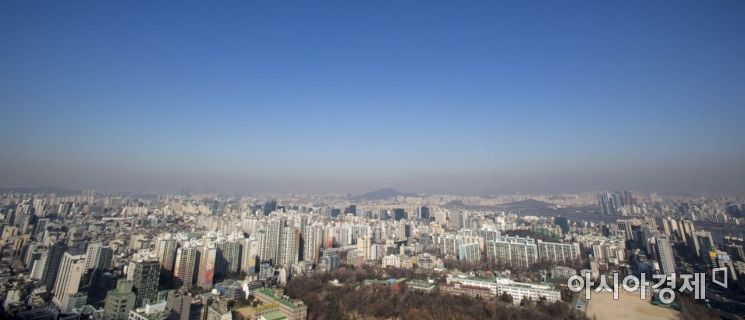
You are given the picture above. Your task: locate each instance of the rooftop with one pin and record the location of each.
(274, 315)
(284, 300)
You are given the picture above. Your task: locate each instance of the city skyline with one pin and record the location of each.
(269, 160)
(480, 98)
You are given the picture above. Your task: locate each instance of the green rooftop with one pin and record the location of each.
(281, 300)
(274, 315)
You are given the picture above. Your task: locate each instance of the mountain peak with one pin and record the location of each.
(381, 194)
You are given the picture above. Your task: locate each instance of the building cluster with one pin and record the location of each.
(202, 257)
(704, 209)
(498, 286)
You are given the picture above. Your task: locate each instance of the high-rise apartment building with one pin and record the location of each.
(185, 270)
(289, 247)
(363, 246)
(312, 242)
(249, 254)
(665, 255)
(564, 253)
(228, 256)
(165, 248)
(513, 251)
(98, 256)
(206, 277)
(145, 275)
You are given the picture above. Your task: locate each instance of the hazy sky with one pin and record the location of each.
(348, 96)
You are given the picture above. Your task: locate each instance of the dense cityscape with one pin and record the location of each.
(91, 255)
(372, 160)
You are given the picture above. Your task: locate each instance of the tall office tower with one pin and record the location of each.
(363, 245)
(98, 256)
(617, 202)
(207, 268)
(289, 246)
(165, 248)
(249, 254)
(270, 206)
(628, 198)
(313, 241)
(119, 301)
(564, 253)
(605, 203)
(69, 277)
(352, 209)
(665, 254)
(98, 290)
(145, 275)
(423, 213)
(187, 263)
(611, 203)
(383, 215)
(514, 251)
(399, 214)
(334, 212)
(54, 257)
(182, 306)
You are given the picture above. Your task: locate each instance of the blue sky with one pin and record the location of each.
(346, 96)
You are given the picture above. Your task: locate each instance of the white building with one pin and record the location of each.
(69, 277)
(391, 260)
(535, 292)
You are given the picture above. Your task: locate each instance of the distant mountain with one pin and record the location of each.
(34, 190)
(382, 194)
(455, 204)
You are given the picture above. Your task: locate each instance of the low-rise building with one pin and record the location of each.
(292, 309)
